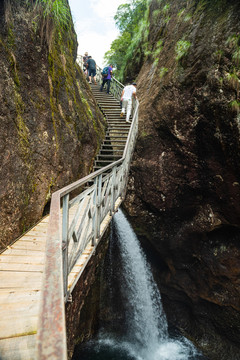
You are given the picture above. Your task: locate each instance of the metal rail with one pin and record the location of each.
(66, 240)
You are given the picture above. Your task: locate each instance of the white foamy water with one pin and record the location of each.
(147, 331)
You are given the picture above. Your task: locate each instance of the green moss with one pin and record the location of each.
(182, 48)
(38, 101)
(187, 17)
(162, 72)
(166, 8)
(143, 134)
(219, 54)
(26, 333)
(233, 41)
(233, 80)
(180, 13)
(63, 78)
(200, 7)
(22, 129)
(236, 56)
(158, 48)
(10, 36)
(9, 47)
(156, 14)
(48, 193)
(235, 105)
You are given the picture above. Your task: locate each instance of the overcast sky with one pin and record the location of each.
(95, 26)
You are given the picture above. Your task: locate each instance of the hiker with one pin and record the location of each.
(126, 98)
(106, 77)
(85, 59)
(91, 66)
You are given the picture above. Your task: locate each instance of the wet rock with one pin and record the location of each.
(183, 192)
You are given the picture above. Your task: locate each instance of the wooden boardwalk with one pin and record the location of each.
(21, 271)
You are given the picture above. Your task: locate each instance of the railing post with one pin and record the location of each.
(113, 191)
(98, 209)
(94, 220)
(65, 221)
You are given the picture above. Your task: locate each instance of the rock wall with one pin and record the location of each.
(50, 126)
(82, 314)
(184, 189)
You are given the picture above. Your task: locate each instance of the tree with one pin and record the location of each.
(129, 19)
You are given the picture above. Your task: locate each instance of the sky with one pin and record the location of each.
(95, 26)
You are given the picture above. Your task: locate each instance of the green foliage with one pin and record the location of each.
(132, 21)
(158, 48)
(187, 17)
(235, 105)
(156, 14)
(52, 18)
(128, 16)
(219, 54)
(166, 8)
(58, 10)
(236, 55)
(117, 52)
(200, 7)
(182, 48)
(233, 41)
(234, 81)
(167, 19)
(180, 13)
(162, 72)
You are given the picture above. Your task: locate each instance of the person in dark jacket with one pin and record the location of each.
(91, 66)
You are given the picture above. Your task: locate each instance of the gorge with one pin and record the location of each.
(183, 191)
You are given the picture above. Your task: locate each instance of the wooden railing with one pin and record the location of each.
(66, 241)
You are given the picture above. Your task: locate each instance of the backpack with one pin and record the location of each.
(105, 72)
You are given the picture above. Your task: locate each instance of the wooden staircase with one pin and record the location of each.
(117, 132)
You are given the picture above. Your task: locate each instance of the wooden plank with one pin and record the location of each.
(40, 230)
(19, 326)
(39, 237)
(10, 348)
(23, 259)
(19, 252)
(19, 309)
(29, 245)
(24, 280)
(13, 266)
(34, 236)
(14, 296)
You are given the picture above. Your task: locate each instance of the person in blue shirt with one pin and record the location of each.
(107, 79)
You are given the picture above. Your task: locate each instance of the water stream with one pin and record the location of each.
(134, 326)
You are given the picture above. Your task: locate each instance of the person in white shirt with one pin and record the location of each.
(128, 92)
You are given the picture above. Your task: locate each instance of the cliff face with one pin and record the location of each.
(50, 125)
(185, 174)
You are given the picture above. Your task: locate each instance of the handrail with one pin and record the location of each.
(64, 245)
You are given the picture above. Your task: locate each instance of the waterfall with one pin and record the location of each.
(146, 321)
(138, 329)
